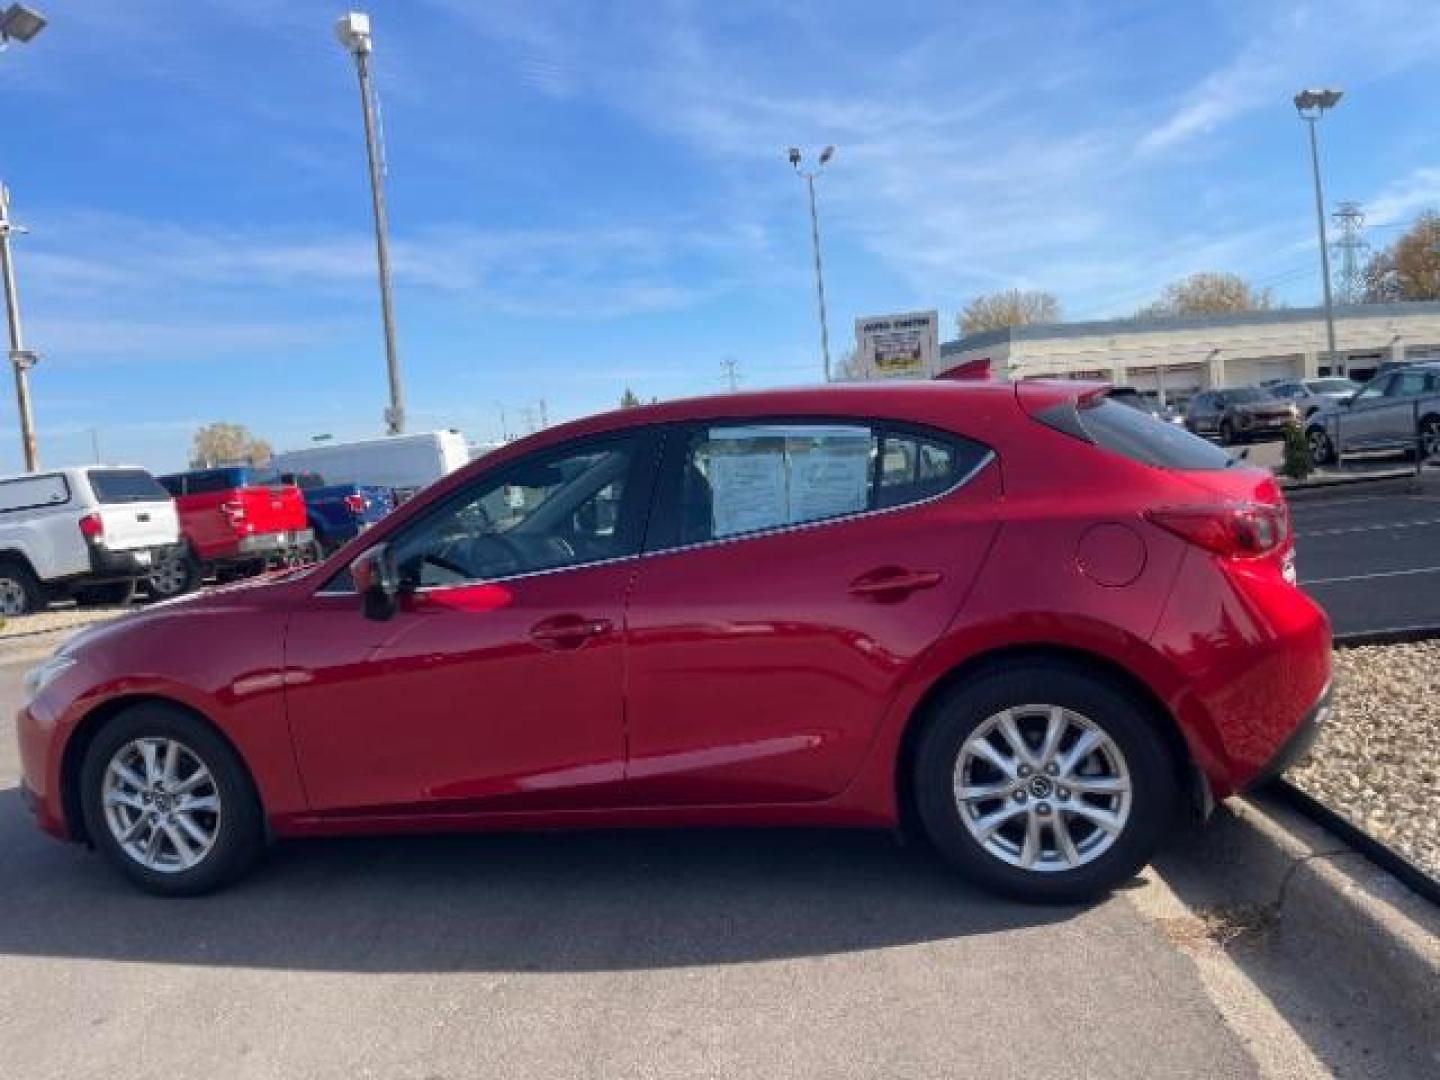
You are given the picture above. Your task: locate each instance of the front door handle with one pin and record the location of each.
(893, 582)
(568, 631)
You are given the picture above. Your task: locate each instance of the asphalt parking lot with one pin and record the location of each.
(774, 954)
(1372, 561)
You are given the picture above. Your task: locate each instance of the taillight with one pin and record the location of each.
(355, 503)
(92, 527)
(1235, 530)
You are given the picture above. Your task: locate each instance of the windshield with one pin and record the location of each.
(126, 486)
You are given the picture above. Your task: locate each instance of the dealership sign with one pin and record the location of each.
(898, 346)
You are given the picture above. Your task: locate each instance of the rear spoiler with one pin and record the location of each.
(1037, 395)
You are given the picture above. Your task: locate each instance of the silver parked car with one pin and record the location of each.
(1309, 396)
(1391, 413)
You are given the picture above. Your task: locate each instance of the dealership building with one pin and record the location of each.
(1175, 357)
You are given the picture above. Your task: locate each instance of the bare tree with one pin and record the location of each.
(227, 444)
(1010, 307)
(851, 367)
(629, 399)
(1208, 293)
(1409, 269)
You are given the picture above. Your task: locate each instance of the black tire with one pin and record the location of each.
(175, 576)
(239, 828)
(1227, 433)
(1430, 438)
(109, 594)
(1322, 450)
(1153, 778)
(20, 592)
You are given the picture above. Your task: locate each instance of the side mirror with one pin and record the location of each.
(377, 580)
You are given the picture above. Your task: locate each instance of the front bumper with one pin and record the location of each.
(1293, 750)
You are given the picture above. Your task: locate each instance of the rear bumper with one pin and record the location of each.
(108, 565)
(1294, 749)
(274, 543)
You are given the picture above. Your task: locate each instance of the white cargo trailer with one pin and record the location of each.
(404, 462)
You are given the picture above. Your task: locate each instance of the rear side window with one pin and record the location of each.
(31, 492)
(1136, 435)
(739, 479)
(126, 486)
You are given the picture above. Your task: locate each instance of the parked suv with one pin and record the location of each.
(233, 523)
(1309, 396)
(1026, 619)
(85, 533)
(1394, 413)
(1245, 412)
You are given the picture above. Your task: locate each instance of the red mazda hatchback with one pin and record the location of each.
(1030, 621)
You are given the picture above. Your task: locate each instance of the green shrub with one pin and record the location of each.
(1298, 464)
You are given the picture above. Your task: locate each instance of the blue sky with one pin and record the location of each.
(587, 195)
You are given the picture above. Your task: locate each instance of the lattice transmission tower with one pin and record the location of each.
(1350, 251)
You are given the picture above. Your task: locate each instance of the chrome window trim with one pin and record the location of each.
(778, 530)
(817, 523)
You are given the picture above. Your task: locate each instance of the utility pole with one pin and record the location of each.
(1311, 105)
(21, 359)
(353, 32)
(732, 377)
(1350, 220)
(809, 177)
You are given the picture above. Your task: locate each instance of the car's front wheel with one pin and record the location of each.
(1044, 782)
(168, 802)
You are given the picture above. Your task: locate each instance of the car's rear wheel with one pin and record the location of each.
(174, 574)
(20, 593)
(1044, 782)
(1227, 433)
(1322, 452)
(169, 803)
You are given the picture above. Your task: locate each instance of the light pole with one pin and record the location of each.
(1311, 105)
(17, 23)
(353, 32)
(809, 175)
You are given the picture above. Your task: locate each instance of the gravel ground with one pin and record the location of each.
(1378, 760)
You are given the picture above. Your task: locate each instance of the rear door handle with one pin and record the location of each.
(568, 631)
(894, 582)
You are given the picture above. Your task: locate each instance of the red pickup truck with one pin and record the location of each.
(232, 524)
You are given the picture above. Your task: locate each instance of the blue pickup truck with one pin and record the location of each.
(338, 512)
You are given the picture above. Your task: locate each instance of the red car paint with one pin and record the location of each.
(764, 680)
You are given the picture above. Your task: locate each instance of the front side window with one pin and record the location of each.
(738, 479)
(1406, 384)
(1372, 390)
(558, 509)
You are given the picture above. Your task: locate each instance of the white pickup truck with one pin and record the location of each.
(87, 533)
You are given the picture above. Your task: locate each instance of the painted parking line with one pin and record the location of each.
(1371, 577)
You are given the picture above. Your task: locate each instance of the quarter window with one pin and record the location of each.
(557, 510)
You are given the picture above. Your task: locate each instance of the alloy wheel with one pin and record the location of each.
(1320, 451)
(1043, 788)
(161, 804)
(168, 576)
(12, 597)
(1430, 439)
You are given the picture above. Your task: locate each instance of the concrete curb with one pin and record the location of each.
(1336, 912)
(1388, 483)
(1399, 635)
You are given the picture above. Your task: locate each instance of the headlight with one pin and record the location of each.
(42, 675)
